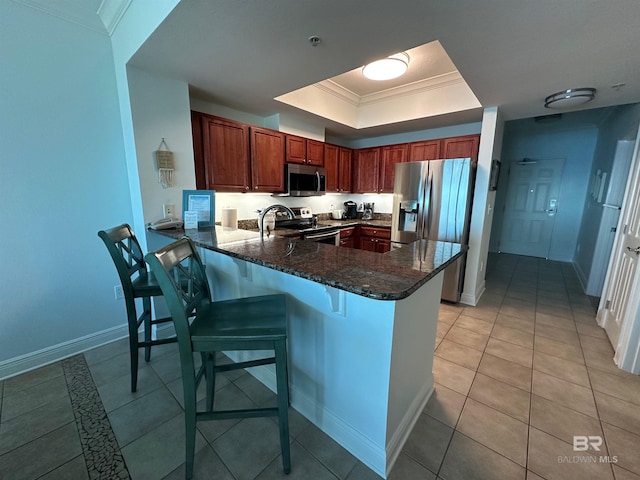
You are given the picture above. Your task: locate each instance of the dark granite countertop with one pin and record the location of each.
(384, 276)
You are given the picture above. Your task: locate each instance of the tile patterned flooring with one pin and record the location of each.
(517, 377)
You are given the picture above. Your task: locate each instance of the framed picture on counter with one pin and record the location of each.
(203, 203)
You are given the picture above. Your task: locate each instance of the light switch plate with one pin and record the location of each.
(169, 210)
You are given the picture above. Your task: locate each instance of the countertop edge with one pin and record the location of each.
(301, 273)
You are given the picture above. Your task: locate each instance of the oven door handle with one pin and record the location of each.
(320, 236)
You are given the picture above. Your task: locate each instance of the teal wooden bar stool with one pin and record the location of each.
(251, 323)
(137, 283)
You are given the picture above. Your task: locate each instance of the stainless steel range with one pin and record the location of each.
(330, 236)
(318, 233)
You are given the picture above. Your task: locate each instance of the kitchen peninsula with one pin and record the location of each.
(362, 328)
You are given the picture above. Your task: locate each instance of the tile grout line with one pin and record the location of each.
(595, 403)
(455, 428)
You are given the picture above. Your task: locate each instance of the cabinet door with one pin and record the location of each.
(348, 242)
(267, 160)
(315, 152)
(368, 244)
(226, 154)
(331, 163)
(427, 150)
(345, 169)
(366, 170)
(296, 149)
(389, 156)
(383, 246)
(198, 155)
(461, 147)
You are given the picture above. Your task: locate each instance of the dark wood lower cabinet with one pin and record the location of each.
(372, 239)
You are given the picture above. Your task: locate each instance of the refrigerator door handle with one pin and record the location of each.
(426, 211)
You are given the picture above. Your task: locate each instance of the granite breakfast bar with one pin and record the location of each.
(361, 326)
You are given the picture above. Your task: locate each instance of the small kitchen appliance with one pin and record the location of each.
(350, 209)
(368, 211)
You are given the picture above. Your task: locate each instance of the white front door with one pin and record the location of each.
(531, 206)
(620, 302)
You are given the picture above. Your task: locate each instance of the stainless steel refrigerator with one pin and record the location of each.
(432, 200)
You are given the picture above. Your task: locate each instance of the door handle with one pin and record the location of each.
(552, 206)
(635, 250)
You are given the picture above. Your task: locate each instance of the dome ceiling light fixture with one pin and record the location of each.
(570, 98)
(387, 68)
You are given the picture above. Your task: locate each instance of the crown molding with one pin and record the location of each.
(68, 14)
(337, 90)
(111, 13)
(432, 83)
(346, 95)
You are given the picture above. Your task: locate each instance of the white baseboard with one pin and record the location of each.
(400, 436)
(372, 455)
(473, 298)
(40, 358)
(581, 276)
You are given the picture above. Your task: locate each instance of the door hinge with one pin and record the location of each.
(607, 304)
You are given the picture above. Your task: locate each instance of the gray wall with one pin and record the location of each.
(63, 179)
(621, 124)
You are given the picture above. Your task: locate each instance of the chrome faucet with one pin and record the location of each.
(267, 210)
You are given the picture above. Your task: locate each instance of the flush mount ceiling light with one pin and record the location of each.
(570, 98)
(387, 68)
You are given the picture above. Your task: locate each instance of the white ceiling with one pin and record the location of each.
(511, 53)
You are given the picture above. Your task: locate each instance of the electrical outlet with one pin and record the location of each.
(169, 210)
(119, 293)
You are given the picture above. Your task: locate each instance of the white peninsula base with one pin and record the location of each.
(360, 368)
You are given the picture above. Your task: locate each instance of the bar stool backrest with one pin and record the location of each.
(182, 278)
(128, 258)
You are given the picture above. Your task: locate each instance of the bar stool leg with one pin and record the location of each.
(146, 309)
(283, 402)
(190, 427)
(210, 377)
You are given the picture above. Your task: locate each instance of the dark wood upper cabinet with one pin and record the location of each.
(198, 156)
(304, 150)
(225, 154)
(296, 149)
(332, 165)
(232, 156)
(366, 170)
(315, 152)
(267, 160)
(427, 150)
(389, 156)
(345, 168)
(337, 161)
(461, 147)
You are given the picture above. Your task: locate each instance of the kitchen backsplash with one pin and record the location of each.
(248, 203)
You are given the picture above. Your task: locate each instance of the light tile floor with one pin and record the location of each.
(517, 377)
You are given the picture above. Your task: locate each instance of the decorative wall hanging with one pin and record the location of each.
(165, 164)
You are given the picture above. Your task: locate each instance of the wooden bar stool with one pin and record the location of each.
(137, 282)
(251, 323)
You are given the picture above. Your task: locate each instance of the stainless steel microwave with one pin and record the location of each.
(305, 180)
